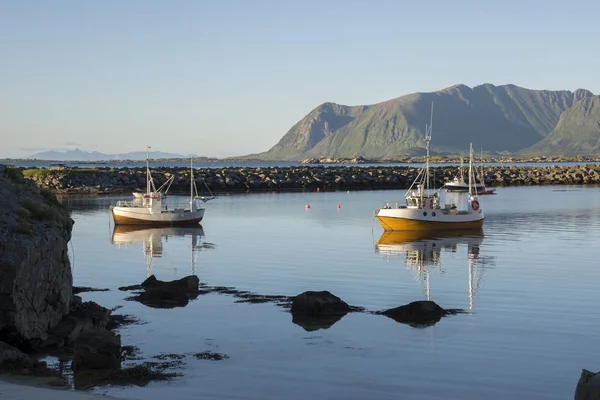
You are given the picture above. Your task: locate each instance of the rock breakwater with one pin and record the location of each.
(246, 179)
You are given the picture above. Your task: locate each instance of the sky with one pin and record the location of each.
(225, 77)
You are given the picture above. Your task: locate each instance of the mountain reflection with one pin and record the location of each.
(152, 240)
(423, 254)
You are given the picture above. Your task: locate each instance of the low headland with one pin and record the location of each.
(105, 180)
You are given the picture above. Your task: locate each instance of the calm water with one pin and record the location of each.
(531, 283)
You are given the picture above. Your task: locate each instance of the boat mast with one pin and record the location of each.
(147, 170)
(427, 140)
(470, 169)
(191, 183)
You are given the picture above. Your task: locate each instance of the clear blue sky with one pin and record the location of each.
(225, 77)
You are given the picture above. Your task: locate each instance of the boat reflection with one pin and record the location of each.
(423, 252)
(151, 240)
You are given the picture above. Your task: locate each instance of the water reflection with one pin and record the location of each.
(151, 240)
(423, 254)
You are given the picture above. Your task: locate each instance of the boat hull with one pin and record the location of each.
(125, 216)
(403, 224)
(406, 219)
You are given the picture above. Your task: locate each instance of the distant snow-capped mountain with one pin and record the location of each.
(80, 155)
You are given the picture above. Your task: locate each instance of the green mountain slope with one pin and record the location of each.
(497, 118)
(577, 131)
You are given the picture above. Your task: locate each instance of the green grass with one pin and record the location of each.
(39, 210)
(36, 173)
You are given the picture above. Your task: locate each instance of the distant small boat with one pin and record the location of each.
(148, 209)
(458, 184)
(426, 210)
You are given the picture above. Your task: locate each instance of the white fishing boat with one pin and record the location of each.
(458, 184)
(429, 209)
(151, 208)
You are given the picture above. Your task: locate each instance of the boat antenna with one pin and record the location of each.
(191, 183)
(148, 169)
(427, 140)
(470, 169)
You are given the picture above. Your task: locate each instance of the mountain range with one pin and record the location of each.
(505, 119)
(80, 155)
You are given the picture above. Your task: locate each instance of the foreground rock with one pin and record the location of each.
(319, 303)
(12, 359)
(35, 271)
(588, 387)
(82, 316)
(97, 348)
(165, 294)
(317, 310)
(418, 313)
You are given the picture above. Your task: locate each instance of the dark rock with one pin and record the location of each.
(418, 313)
(13, 359)
(97, 348)
(588, 386)
(86, 315)
(160, 294)
(319, 303)
(83, 289)
(116, 321)
(129, 353)
(188, 284)
(130, 288)
(207, 355)
(315, 322)
(139, 375)
(35, 271)
(159, 298)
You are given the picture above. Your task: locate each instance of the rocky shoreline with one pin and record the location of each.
(261, 179)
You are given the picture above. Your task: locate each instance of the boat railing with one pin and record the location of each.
(125, 203)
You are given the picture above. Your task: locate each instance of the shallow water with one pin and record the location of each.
(530, 284)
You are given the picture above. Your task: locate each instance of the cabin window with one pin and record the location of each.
(424, 213)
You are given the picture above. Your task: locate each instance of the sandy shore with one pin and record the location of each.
(30, 389)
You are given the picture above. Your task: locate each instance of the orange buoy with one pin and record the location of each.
(318, 189)
(307, 206)
(339, 206)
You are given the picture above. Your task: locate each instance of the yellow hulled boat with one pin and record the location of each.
(425, 209)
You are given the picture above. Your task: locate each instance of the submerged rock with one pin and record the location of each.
(418, 313)
(84, 289)
(208, 355)
(165, 294)
(312, 323)
(160, 298)
(588, 387)
(319, 303)
(97, 348)
(139, 375)
(188, 284)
